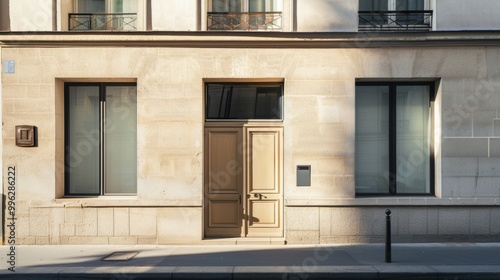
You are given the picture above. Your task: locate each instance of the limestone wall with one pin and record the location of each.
(26, 15)
(467, 15)
(318, 131)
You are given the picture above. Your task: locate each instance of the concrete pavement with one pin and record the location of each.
(410, 261)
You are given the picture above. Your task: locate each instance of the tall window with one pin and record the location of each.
(243, 101)
(245, 15)
(394, 14)
(107, 6)
(104, 15)
(392, 5)
(393, 138)
(101, 139)
(240, 6)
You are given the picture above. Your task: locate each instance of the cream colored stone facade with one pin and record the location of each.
(318, 121)
(319, 72)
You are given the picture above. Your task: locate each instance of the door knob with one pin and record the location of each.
(259, 195)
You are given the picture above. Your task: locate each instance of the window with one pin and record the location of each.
(104, 15)
(392, 5)
(241, 6)
(100, 139)
(245, 15)
(394, 14)
(393, 153)
(107, 6)
(243, 101)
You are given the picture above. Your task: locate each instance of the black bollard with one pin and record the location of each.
(388, 256)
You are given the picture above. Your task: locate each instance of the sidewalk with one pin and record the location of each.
(410, 261)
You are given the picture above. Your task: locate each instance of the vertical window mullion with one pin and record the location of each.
(102, 127)
(228, 102)
(392, 140)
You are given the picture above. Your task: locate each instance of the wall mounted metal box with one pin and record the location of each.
(303, 175)
(25, 136)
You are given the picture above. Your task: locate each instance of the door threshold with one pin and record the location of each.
(244, 241)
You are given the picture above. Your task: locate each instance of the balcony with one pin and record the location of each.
(395, 20)
(255, 21)
(112, 22)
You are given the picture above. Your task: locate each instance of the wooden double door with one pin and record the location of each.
(243, 181)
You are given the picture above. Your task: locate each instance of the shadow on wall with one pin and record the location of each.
(4, 16)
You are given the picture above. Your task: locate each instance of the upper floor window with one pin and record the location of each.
(256, 15)
(104, 15)
(394, 15)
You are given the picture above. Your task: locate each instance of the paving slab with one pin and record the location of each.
(438, 261)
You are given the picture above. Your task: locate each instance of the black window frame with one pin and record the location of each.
(392, 190)
(102, 97)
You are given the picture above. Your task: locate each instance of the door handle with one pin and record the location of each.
(259, 195)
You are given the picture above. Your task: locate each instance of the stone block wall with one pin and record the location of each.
(108, 225)
(318, 131)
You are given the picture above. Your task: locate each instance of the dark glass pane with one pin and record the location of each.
(226, 6)
(410, 5)
(121, 140)
(231, 101)
(82, 145)
(412, 139)
(372, 139)
(373, 5)
(92, 6)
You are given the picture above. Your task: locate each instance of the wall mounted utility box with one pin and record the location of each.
(303, 175)
(25, 136)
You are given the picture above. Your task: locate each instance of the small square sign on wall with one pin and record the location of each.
(9, 66)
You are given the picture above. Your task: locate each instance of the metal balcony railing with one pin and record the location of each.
(395, 20)
(259, 21)
(121, 22)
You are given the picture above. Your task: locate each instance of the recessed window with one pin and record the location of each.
(100, 139)
(243, 101)
(104, 15)
(393, 153)
(245, 15)
(394, 15)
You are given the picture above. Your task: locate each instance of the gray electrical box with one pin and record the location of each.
(303, 175)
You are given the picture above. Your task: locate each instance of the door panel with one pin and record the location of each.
(224, 161)
(224, 213)
(265, 213)
(264, 186)
(224, 182)
(264, 164)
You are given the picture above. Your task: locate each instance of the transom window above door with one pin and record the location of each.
(237, 101)
(254, 15)
(104, 15)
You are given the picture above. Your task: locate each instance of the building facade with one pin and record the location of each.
(250, 121)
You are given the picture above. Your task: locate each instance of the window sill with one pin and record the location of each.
(119, 201)
(392, 201)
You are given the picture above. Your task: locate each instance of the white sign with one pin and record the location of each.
(9, 67)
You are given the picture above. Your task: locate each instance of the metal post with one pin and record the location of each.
(388, 256)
